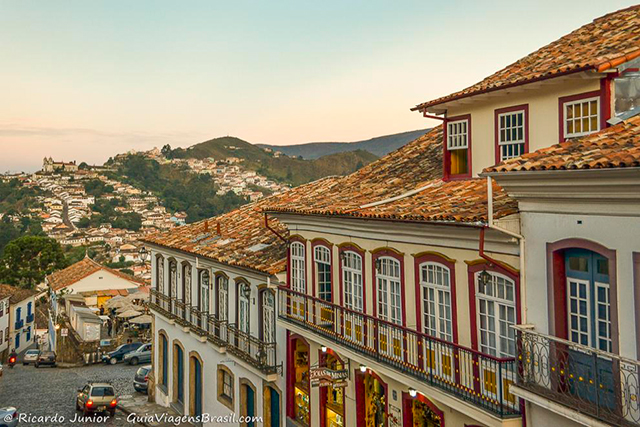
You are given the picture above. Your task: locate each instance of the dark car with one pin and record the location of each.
(118, 354)
(141, 380)
(46, 358)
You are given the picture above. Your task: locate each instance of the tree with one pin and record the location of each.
(27, 260)
(83, 166)
(166, 151)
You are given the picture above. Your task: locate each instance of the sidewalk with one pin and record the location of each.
(151, 412)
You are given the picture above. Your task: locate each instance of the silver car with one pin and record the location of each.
(141, 355)
(31, 356)
(8, 416)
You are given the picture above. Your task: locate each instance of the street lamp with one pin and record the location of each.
(484, 278)
(413, 392)
(144, 254)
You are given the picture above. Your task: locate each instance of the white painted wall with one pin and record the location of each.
(102, 280)
(4, 324)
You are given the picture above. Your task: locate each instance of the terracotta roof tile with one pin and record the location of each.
(614, 147)
(603, 43)
(81, 269)
(15, 293)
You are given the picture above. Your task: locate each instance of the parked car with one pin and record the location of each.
(118, 354)
(141, 379)
(46, 358)
(8, 416)
(96, 397)
(141, 354)
(31, 356)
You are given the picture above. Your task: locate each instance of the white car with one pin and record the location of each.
(8, 416)
(30, 356)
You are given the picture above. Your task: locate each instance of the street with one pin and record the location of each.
(51, 391)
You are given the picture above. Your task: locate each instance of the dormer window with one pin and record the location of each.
(580, 115)
(512, 132)
(457, 160)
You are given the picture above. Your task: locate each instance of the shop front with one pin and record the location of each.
(371, 399)
(420, 411)
(299, 402)
(331, 377)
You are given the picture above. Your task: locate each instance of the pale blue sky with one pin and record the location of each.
(88, 79)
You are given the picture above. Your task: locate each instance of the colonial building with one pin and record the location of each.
(49, 166)
(407, 280)
(21, 315)
(580, 209)
(4, 326)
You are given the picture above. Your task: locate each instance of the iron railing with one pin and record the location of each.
(479, 378)
(252, 350)
(245, 346)
(597, 383)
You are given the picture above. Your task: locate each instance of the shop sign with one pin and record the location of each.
(321, 376)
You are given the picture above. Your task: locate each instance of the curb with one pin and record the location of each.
(127, 411)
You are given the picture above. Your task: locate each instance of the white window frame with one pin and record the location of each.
(442, 317)
(389, 289)
(268, 316)
(520, 142)
(565, 118)
(352, 280)
(458, 135)
(204, 291)
(322, 255)
(244, 308)
(298, 267)
(160, 272)
(607, 320)
(223, 298)
(497, 303)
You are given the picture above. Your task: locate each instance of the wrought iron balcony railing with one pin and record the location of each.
(19, 324)
(468, 374)
(252, 350)
(602, 385)
(29, 318)
(249, 348)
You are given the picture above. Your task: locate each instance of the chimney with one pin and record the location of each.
(206, 225)
(218, 229)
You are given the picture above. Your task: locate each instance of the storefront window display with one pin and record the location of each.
(371, 395)
(301, 410)
(333, 397)
(421, 412)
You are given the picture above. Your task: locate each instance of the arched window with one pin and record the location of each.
(435, 284)
(186, 283)
(352, 280)
(244, 299)
(268, 317)
(204, 290)
(160, 273)
(322, 259)
(298, 282)
(222, 310)
(164, 360)
(173, 278)
(496, 300)
(389, 292)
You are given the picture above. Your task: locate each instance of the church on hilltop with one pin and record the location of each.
(49, 165)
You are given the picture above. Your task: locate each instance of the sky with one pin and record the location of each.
(85, 80)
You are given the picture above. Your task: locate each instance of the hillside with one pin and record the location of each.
(379, 146)
(290, 170)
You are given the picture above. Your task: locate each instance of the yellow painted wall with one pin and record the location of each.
(543, 116)
(462, 286)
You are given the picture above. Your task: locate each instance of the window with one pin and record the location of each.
(225, 386)
(1, 336)
(297, 267)
(352, 279)
(322, 258)
(173, 278)
(496, 315)
(164, 362)
(389, 296)
(6, 334)
(204, 290)
(511, 132)
(458, 144)
(223, 298)
(243, 307)
(186, 277)
(581, 117)
(435, 282)
(160, 274)
(268, 317)
(1, 311)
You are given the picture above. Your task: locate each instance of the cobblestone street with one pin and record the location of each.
(49, 391)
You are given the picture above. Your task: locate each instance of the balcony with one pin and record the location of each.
(19, 324)
(246, 347)
(599, 384)
(30, 318)
(469, 375)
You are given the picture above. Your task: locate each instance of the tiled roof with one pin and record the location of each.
(81, 269)
(405, 185)
(614, 147)
(604, 43)
(15, 293)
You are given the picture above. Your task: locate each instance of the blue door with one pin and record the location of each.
(275, 408)
(251, 402)
(17, 340)
(591, 377)
(28, 333)
(198, 387)
(165, 362)
(179, 353)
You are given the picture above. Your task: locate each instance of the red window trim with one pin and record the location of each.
(446, 158)
(604, 95)
(360, 392)
(391, 253)
(300, 239)
(291, 338)
(314, 277)
(345, 247)
(472, 269)
(322, 359)
(450, 264)
(556, 286)
(239, 281)
(407, 401)
(497, 112)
